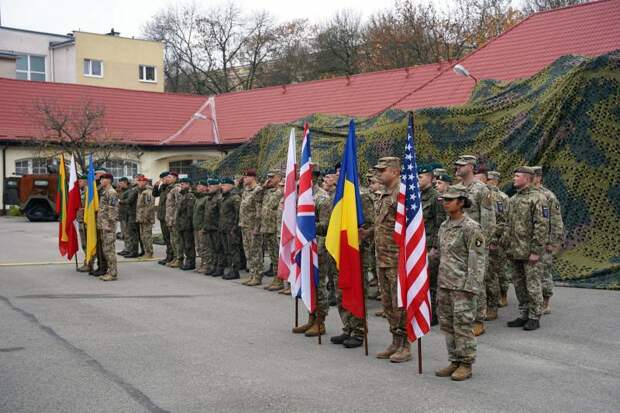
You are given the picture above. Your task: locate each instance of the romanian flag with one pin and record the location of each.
(61, 207)
(342, 240)
(90, 212)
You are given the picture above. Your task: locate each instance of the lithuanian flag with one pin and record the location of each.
(342, 239)
(61, 207)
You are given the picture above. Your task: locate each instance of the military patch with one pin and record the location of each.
(488, 200)
(500, 206)
(478, 243)
(545, 212)
(557, 206)
(113, 201)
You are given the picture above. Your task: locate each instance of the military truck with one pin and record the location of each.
(34, 194)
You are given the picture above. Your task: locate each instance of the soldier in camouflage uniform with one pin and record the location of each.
(556, 238)
(121, 190)
(101, 261)
(483, 212)
(330, 181)
(322, 210)
(249, 222)
(388, 172)
(172, 199)
(160, 190)
(211, 227)
(525, 239)
(145, 215)
(127, 201)
(461, 271)
(107, 218)
(229, 203)
(434, 215)
(198, 217)
(497, 257)
(367, 245)
(183, 222)
(269, 230)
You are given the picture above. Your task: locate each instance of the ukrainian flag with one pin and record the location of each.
(342, 240)
(90, 212)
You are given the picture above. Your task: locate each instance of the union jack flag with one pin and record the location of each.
(306, 249)
(413, 281)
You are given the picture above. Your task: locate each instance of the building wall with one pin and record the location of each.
(25, 42)
(63, 62)
(121, 59)
(7, 68)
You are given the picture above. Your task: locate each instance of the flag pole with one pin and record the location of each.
(76, 263)
(365, 312)
(316, 306)
(296, 312)
(419, 355)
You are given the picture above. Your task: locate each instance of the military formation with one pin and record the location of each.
(478, 241)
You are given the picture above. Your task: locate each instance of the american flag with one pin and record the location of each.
(413, 282)
(306, 249)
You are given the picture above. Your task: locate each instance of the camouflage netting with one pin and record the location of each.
(566, 118)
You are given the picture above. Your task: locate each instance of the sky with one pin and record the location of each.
(129, 16)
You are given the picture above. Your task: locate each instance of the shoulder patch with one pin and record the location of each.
(478, 243)
(500, 206)
(113, 201)
(545, 211)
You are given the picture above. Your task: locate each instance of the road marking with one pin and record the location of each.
(32, 264)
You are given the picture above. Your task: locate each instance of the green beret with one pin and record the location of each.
(202, 182)
(424, 169)
(83, 176)
(435, 165)
(185, 179)
(445, 178)
(164, 174)
(227, 180)
(213, 181)
(123, 179)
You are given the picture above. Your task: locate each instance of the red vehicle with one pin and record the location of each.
(35, 195)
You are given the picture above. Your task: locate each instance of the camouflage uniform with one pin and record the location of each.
(107, 219)
(483, 212)
(249, 222)
(386, 252)
(213, 242)
(172, 199)
(327, 265)
(127, 203)
(495, 278)
(183, 223)
(527, 233)
(367, 246)
(229, 203)
(556, 238)
(102, 265)
(161, 191)
(145, 217)
(268, 225)
(434, 215)
(461, 276)
(198, 217)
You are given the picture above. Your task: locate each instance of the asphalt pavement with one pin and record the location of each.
(164, 340)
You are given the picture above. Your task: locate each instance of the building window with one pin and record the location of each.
(183, 167)
(147, 73)
(93, 68)
(29, 67)
(121, 167)
(37, 166)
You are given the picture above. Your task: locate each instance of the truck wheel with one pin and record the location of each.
(40, 213)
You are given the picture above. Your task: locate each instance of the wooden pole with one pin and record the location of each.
(296, 312)
(419, 355)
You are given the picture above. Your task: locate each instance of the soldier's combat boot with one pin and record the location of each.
(353, 342)
(305, 327)
(447, 371)
(340, 339)
(108, 277)
(276, 285)
(189, 265)
(84, 268)
(285, 291)
(246, 281)
(503, 300)
(531, 325)
(403, 354)
(132, 255)
(392, 348)
(174, 264)
(546, 305)
(232, 275)
(268, 272)
(491, 314)
(517, 322)
(463, 372)
(258, 280)
(317, 328)
(147, 257)
(99, 272)
(163, 261)
(218, 272)
(478, 328)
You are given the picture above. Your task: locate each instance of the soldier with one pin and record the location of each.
(330, 181)
(482, 212)
(388, 172)
(367, 194)
(229, 204)
(377, 189)
(101, 261)
(213, 241)
(442, 182)
(172, 199)
(268, 227)
(127, 207)
(322, 210)
(198, 218)
(161, 187)
(556, 238)
(82, 182)
(434, 215)
(461, 271)
(497, 257)
(145, 215)
(183, 223)
(249, 222)
(525, 239)
(107, 219)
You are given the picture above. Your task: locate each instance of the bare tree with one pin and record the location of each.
(533, 6)
(338, 44)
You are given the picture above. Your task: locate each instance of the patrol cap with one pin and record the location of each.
(274, 172)
(425, 169)
(107, 175)
(388, 162)
(455, 192)
(164, 174)
(439, 171)
(185, 179)
(466, 159)
(227, 180)
(250, 172)
(538, 170)
(213, 181)
(525, 170)
(445, 178)
(494, 175)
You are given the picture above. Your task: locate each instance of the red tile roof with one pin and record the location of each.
(162, 118)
